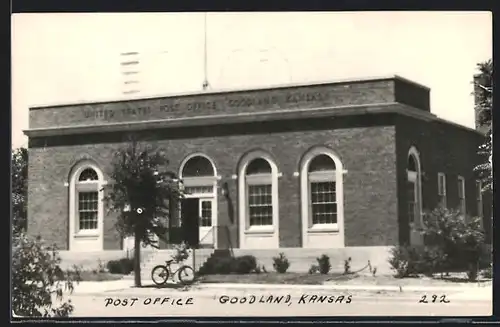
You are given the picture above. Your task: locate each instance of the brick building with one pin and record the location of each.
(345, 165)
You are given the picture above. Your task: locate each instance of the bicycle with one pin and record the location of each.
(165, 271)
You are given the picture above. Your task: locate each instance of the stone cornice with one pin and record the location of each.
(275, 115)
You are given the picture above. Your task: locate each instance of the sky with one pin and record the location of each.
(75, 57)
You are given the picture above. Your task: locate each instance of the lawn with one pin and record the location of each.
(96, 276)
(272, 278)
(334, 279)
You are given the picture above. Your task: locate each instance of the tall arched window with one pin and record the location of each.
(321, 180)
(259, 193)
(199, 177)
(414, 188)
(258, 201)
(86, 207)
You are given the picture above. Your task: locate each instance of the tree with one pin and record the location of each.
(460, 238)
(484, 105)
(140, 193)
(38, 280)
(19, 175)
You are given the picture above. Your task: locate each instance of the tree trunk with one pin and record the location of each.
(137, 259)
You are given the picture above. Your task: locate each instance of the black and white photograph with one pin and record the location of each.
(252, 164)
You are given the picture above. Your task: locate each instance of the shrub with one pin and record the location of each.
(347, 266)
(487, 273)
(181, 252)
(226, 265)
(460, 238)
(36, 276)
(123, 266)
(313, 269)
(403, 260)
(244, 264)
(324, 264)
(281, 263)
(223, 266)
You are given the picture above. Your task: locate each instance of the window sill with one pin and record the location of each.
(260, 230)
(323, 228)
(89, 234)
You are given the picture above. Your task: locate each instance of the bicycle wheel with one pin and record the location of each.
(159, 275)
(186, 275)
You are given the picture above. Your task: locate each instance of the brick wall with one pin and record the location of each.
(443, 148)
(366, 146)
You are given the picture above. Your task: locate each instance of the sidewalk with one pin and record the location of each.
(389, 288)
(473, 291)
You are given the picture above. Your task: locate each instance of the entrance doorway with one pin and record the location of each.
(199, 178)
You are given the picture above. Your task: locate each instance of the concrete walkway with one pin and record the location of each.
(410, 288)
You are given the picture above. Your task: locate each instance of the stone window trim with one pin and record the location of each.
(415, 154)
(461, 194)
(244, 180)
(442, 189)
(306, 178)
(75, 187)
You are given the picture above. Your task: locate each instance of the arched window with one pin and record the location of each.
(414, 187)
(259, 183)
(258, 201)
(323, 190)
(86, 207)
(88, 200)
(321, 183)
(199, 178)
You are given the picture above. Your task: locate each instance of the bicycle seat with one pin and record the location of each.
(169, 261)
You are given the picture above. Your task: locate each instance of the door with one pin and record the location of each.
(205, 212)
(190, 221)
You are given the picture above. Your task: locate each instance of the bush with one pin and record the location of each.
(123, 266)
(281, 263)
(347, 266)
(244, 264)
(36, 276)
(181, 252)
(313, 269)
(226, 265)
(324, 264)
(460, 238)
(404, 260)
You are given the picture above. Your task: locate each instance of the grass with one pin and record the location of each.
(272, 278)
(333, 278)
(98, 276)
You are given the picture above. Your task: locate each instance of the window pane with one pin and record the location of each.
(412, 165)
(322, 163)
(198, 166)
(441, 184)
(198, 189)
(206, 214)
(259, 166)
(88, 174)
(411, 201)
(323, 203)
(260, 205)
(87, 210)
